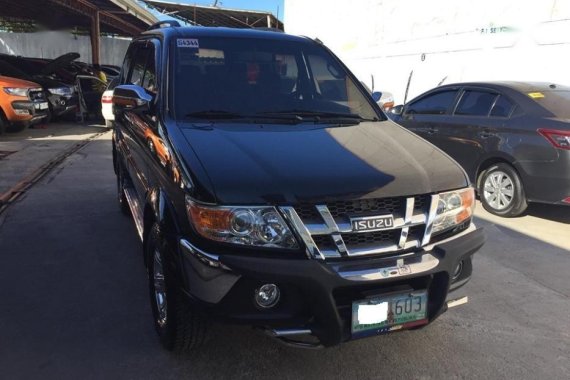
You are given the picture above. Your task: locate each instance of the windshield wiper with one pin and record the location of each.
(319, 115)
(219, 114)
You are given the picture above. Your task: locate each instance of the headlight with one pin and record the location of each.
(60, 91)
(454, 208)
(16, 91)
(253, 226)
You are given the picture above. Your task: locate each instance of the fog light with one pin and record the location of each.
(457, 271)
(267, 296)
(21, 112)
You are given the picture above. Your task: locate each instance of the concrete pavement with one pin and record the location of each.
(75, 303)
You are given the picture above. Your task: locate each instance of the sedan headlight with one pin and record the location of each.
(454, 208)
(61, 91)
(16, 91)
(252, 226)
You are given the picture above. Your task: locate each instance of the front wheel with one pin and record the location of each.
(179, 327)
(501, 191)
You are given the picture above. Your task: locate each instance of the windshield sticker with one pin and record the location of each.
(536, 95)
(187, 43)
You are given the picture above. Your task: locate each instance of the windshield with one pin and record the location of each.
(234, 77)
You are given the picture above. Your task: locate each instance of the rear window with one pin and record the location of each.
(556, 102)
(475, 103)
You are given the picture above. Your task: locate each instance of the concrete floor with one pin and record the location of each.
(75, 301)
(26, 151)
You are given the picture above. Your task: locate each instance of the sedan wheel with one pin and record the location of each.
(498, 190)
(501, 191)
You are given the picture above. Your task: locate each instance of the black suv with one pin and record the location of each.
(269, 189)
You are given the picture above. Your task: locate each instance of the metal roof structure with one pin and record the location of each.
(121, 17)
(216, 16)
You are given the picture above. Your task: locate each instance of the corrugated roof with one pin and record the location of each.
(123, 17)
(216, 16)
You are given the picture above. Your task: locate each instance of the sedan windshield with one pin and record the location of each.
(233, 78)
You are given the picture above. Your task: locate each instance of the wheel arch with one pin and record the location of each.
(493, 160)
(158, 209)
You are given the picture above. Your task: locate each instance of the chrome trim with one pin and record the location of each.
(431, 217)
(331, 225)
(410, 266)
(290, 332)
(316, 228)
(135, 208)
(457, 302)
(377, 249)
(293, 218)
(469, 229)
(206, 258)
(407, 219)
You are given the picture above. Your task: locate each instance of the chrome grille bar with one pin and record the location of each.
(331, 225)
(323, 224)
(407, 221)
(431, 217)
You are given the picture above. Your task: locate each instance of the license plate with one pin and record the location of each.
(41, 106)
(372, 223)
(384, 314)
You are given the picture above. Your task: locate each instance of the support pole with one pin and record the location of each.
(268, 21)
(95, 34)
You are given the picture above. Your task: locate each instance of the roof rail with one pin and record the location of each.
(163, 24)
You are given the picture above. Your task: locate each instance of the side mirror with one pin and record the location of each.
(376, 95)
(397, 110)
(129, 97)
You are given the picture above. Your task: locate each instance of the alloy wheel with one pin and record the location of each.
(499, 190)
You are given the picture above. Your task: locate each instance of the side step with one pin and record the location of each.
(136, 209)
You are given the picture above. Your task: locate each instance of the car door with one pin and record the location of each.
(425, 115)
(132, 125)
(473, 131)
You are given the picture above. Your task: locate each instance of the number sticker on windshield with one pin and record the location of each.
(187, 43)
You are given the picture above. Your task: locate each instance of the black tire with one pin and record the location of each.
(516, 202)
(180, 328)
(2, 125)
(121, 197)
(15, 128)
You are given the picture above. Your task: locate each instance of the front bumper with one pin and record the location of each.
(317, 296)
(28, 112)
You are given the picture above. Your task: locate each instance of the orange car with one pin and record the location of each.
(22, 104)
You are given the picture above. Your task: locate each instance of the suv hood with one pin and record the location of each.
(287, 164)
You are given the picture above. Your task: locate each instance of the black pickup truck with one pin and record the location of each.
(268, 188)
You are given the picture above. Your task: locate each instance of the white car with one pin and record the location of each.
(107, 104)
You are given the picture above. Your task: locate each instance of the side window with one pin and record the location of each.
(127, 63)
(149, 78)
(138, 65)
(502, 107)
(434, 104)
(475, 103)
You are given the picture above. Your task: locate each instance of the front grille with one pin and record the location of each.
(366, 206)
(327, 231)
(367, 239)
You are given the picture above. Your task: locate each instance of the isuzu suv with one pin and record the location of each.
(268, 188)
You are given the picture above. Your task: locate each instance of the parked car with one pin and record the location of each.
(512, 138)
(62, 97)
(107, 103)
(22, 104)
(268, 188)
